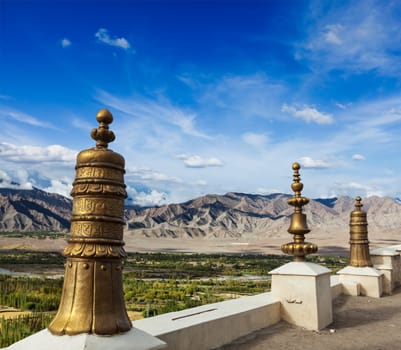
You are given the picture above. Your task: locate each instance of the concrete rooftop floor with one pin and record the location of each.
(359, 323)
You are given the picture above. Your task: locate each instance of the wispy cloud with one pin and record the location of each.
(342, 105)
(195, 161)
(154, 110)
(332, 34)
(309, 114)
(22, 117)
(255, 95)
(80, 123)
(146, 174)
(353, 36)
(255, 139)
(102, 35)
(308, 162)
(65, 42)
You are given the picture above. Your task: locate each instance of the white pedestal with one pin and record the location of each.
(304, 291)
(387, 260)
(133, 339)
(369, 279)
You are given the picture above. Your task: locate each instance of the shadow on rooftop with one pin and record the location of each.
(360, 323)
(353, 311)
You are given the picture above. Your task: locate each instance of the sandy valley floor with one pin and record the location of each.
(334, 243)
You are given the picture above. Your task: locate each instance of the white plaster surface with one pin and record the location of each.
(300, 269)
(134, 339)
(213, 325)
(389, 264)
(369, 279)
(305, 294)
(335, 286)
(351, 288)
(385, 251)
(360, 271)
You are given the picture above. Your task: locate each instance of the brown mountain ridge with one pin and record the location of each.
(232, 216)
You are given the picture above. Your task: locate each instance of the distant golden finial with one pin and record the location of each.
(359, 243)
(102, 135)
(298, 226)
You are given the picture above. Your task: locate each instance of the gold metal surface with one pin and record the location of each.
(359, 243)
(92, 300)
(298, 226)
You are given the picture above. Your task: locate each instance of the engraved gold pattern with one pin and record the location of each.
(93, 206)
(101, 229)
(100, 173)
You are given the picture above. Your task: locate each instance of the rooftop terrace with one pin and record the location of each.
(359, 323)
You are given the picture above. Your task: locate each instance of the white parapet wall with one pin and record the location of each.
(387, 260)
(213, 325)
(362, 280)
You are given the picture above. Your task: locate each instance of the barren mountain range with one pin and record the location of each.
(33, 210)
(231, 216)
(249, 216)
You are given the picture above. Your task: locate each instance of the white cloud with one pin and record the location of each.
(103, 36)
(358, 157)
(195, 161)
(354, 189)
(145, 199)
(6, 181)
(309, 114)
(27, 153)
(308, 162)
(255, 139)
(19, 181)
(65, 42)
(62, 187)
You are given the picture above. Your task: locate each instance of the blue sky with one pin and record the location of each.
(207, 96)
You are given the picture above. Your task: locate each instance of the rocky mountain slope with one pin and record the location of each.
(33, 210)
(233, 215)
